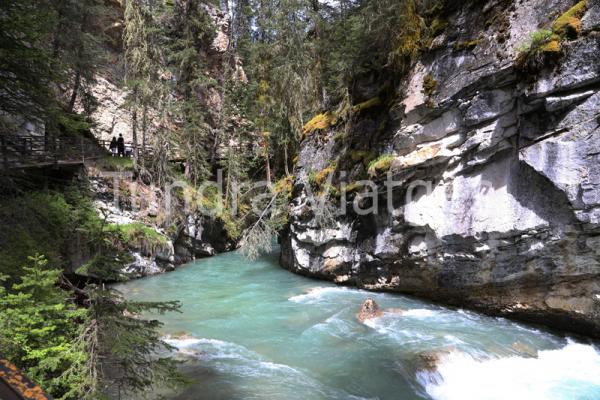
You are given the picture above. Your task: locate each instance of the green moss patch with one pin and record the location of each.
(467, 44)
(569, 24)
(141, 237)
(319, 122)
(115, 164)
(374, 102)
(381, 164)
(429, 85)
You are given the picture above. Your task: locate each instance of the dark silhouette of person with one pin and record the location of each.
(113, 146)
(121, 146)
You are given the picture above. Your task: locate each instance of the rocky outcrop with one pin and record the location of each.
(496, 177)
(201, 236)
(185, 238)
(368, 310)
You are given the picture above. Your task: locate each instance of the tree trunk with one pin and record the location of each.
(321, 92)
(144, 126)
(134, 122)
(144, 131)
(285, 159)
(75, 91)
(267, 163)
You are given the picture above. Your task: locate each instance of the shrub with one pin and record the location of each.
(285, 185)
(115, 164)
(318, 178)
(361, 156)
(39, 330)
(535, 52)
(353, 187)
(48, 223)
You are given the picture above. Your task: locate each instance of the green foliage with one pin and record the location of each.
(34, 223)
(320, 177)
(83, 353)
(46, 46)
(139, 236)
(319, 122)
(131, 358)
(26, 69)
(353, 187)
(62, 226)
(542, 46)
(73, 124)
(40, 328)
(115, 164)
(536, 41)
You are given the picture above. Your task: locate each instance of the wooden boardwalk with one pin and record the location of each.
(17, 152)
(16, 386)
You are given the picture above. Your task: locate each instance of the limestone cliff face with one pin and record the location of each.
(510, 223)
(110, 113)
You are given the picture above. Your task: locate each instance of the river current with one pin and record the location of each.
(251, 330)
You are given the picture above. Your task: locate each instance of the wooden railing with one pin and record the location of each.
(16, 386)
(142, 151)
(23, 151)
(35, 151)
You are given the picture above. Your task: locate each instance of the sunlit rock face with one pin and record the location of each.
(111, 112)
(496, 198)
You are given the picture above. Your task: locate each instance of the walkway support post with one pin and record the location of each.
(4, 151)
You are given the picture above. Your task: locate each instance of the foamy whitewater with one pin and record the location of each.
(572, 372)
(250, 330)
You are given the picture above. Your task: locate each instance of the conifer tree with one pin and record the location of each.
(39, 327)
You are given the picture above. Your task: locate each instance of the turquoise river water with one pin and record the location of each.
(251, 330)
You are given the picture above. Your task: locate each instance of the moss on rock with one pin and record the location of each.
(365, 105)
(429, 85)
(319, 122)
(381, 164)
(569, 24)
(467, 44)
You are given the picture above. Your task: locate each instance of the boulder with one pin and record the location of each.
(368, 310)
(429, 360)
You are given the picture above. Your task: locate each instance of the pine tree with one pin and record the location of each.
(130, 358)
(26, 70)
(39, 327)
(191, 32)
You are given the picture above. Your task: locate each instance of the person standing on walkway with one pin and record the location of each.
(113, 147)
(121, 146)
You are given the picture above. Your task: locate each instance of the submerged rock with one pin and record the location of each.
(368, 310)
(523, 349)
(398, 311)
(429, 360)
